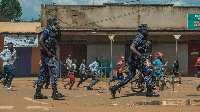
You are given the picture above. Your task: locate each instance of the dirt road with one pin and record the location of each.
(185, 98)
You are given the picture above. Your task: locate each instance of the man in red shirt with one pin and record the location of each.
(198, 63)
(198, 73)
(119, 70)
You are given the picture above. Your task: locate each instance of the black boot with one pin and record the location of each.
(114, 88)
(38, 94)
(150, 93)
(55, 94)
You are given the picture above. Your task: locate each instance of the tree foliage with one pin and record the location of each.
(12, 9)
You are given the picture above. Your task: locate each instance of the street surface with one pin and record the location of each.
(185, 98)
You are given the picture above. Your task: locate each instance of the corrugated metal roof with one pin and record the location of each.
(20, 27)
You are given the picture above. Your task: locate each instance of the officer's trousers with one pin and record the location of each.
(44, 71)
(142, 67)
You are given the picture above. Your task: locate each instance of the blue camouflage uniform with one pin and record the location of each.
(136, 63)
(46, 61)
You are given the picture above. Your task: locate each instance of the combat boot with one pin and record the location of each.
(114, 88)
(38, 94)
(150, 93)
(55, 94)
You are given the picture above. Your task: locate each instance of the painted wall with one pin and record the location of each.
(34, 58)
(119, 16)
(169, 51)
(1, 49)
(100, 46)
(104, 53)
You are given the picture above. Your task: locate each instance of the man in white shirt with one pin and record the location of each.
(8, 56)
(94, 67)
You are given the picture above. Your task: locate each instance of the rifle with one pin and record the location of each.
(57, 59)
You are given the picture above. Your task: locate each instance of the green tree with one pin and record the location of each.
(12, 9)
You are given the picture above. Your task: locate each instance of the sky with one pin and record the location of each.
(31, 8)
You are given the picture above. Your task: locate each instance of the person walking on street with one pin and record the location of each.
(82, 73)
(72, 70)
(119, 70)
(94, 67)
(8, 56)
(69, 64)
(198, 73)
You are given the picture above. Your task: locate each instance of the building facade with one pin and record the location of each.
(22, 35)
(85, 30)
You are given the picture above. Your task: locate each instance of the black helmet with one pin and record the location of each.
(143, 27)
(52, 20)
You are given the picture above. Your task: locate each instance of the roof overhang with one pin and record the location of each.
(126, 32)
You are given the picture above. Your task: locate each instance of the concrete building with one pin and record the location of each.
(26, 64)
(85, 30)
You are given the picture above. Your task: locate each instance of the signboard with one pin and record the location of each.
(21, 40)
(193, 21)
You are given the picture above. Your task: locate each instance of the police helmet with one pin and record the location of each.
(143, 27)
(52, 20)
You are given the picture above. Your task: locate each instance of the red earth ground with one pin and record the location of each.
(20, 99)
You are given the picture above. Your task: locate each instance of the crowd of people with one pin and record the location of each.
(139, 59)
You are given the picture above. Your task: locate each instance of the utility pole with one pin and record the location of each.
(111, 37)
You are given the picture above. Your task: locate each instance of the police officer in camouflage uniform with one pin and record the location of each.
(48, 59)
(136, 60)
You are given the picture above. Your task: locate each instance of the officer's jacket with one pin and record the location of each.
(50, 38)
(140, 46)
